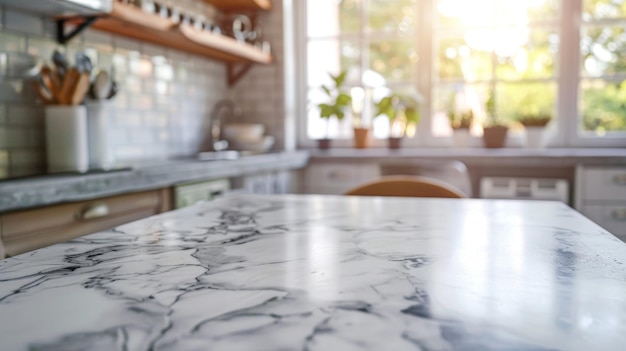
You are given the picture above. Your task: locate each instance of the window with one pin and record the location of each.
(561, 58)
(603, 69)
(497, 49)
(374, 40)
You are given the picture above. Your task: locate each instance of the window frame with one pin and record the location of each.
(567, 78)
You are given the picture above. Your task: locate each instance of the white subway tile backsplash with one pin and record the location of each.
(41, 47)
(140, 67)
(17, 138)
(132, 84)
(25, 158)
(3, 138)
(164, 72)
(101, 39)
(25, 115)
(141, 102)
(153, 50)
(23, 22)
(124, 44)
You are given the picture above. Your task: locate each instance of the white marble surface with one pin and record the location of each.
(52, 189)
(326, 273)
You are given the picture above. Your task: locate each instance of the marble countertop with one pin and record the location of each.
(51, 189)
(556, 157)
(305, 272)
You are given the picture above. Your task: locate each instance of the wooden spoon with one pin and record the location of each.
(81, 89)
(69, 86)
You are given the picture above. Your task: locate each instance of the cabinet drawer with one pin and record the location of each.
(609, 217)
(338, 178)
(604, 184)
(32, 229)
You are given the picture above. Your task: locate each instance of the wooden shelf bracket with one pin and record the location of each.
(62, 37)
(236, 71)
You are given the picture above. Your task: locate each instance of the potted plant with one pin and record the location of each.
(460, 122)
(361, 131)
(402, 111)
(494, 132)
(534, 126)
(339, 101)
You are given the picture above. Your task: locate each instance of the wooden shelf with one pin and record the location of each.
(241, 5)
(132, 22)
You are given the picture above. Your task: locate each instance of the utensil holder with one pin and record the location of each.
(98, 117)
(66, 139)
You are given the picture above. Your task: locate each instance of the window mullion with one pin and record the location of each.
(569, 71)
(425, 65)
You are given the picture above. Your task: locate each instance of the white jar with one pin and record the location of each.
(66, 139)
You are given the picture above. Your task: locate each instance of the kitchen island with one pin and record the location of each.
(325, 273)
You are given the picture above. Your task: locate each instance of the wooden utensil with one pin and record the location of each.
(42, 94)
(50, 82)
(68, 87)
(81, 88)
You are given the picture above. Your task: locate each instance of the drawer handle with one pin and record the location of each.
(619, 179)
(94, 210)
(619, 215)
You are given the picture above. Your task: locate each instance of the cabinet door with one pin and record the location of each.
(604, 184)
(333, 178)
(32, 229)
(610, 217)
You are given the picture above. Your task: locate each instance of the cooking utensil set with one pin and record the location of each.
(67, 85)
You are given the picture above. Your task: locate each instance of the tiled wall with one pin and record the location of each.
(260, 93)
(162, 109)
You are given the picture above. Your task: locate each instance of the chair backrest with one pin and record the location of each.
(407, 186)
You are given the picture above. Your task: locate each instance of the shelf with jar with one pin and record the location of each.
(240, 5)
(166, 26)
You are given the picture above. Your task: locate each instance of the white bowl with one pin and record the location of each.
(243, 132)
(262, 145)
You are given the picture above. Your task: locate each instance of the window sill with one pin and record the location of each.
(504, 156)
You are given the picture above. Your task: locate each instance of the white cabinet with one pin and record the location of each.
(601, 196)
(338, 178)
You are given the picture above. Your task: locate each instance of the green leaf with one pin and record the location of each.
(343, 99)
(340, 115)
(339, 79)
(326, 90)
(326, 111)
(412, 115)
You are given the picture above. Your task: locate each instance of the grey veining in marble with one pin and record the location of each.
(326, 273)
(46, 190)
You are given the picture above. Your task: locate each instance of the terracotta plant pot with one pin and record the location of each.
(495, 136)
(361, 138)
(394, 143)
(323, 144)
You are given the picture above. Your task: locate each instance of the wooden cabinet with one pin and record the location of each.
(32, 229)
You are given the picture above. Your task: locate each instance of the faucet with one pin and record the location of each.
(215, 125)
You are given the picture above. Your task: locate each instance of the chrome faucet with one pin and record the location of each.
(215, 125)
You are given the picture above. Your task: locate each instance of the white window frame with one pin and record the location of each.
(568, 76)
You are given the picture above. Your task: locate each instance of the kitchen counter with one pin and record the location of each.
(517, 157)
(296, 272)
(51, 189)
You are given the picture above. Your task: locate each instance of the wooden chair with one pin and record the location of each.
(407, 186)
